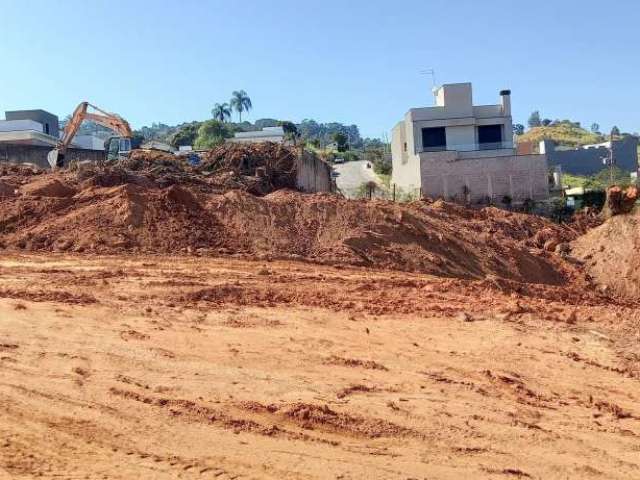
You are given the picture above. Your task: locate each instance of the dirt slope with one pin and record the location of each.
(196, 368)
(108, 214)
(612, 254)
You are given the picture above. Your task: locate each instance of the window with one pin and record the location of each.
(490, 137)
(405, 146)
(46, 128)
(434, 139)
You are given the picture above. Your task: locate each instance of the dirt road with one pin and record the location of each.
(158, 367)
(353, 175)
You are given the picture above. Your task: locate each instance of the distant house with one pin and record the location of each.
(459, 151)
(591, 159)
(29, 127)
(267, 134)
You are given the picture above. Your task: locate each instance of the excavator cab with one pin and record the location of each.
(117, 148)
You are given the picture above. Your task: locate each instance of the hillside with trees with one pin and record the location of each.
(562, 132)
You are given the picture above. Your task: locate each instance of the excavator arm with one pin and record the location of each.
(106, 119)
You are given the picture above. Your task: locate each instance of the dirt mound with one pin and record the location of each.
(611, 253)
(48, 186)
(6, 189)
(260, 167)
(144, 215)
(620, 201)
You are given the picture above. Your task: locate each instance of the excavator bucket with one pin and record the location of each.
(52, 158)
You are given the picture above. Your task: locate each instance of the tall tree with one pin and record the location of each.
(221, 112)
(212, 133)
(342, 141)
(290, 131)
(518, 129)
(534, 119)
(240, 102)
(615, 131)
(595, 128)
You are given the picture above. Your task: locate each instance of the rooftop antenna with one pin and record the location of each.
(431, 72)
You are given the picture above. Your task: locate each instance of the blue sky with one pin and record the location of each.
(353, 62)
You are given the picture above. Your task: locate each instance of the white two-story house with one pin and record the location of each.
(459, 151)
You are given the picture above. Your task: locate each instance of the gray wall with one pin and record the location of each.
(314, 174)
(476, 180)
(40, 116)
(38, 155)
(588, 161)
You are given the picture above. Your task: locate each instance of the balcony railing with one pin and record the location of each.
(471, 147)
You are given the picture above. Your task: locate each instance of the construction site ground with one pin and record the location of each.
(145, 366)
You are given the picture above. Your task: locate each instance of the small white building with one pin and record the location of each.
(25, 132)
(459, 151)
(267, 134)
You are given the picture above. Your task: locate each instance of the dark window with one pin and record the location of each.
(434, 139)
(46, 128)
(405, 146)
(490, 136)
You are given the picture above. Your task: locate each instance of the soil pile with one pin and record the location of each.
(61, 212)
(612, 254)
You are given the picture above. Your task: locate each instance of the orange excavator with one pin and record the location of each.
(116, 147)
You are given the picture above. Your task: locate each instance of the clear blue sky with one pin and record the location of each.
(348, 61)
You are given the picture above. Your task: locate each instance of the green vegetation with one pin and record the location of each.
(573, 181)
(240, 102)
(341, 141)
(221, 112)
(186, 135)
(599, 181)
(562, 132)
(212, 133)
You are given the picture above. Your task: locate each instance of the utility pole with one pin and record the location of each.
(611, 158)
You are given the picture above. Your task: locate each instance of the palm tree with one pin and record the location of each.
(221, 112)
(240, 102)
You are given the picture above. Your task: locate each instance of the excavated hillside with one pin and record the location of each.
(122, 212)
(611, 253)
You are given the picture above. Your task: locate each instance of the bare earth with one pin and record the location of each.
(185, 367)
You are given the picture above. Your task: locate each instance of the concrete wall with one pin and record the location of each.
(521, 177)
(38, 155)
(406, 165)
(588, 161)
(313, 174)
(49, 121)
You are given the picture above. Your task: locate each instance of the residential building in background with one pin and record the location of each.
(29, 127)
(459, 151)
(591, 159)
(267, 134)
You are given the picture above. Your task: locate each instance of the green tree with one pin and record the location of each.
(615, 131)
(240, 102)
(212, 133)
(518, 129)
(221, 112)
(341, 141)
(534, 119)
(290, 131)
(595, 128)
(546, 122)
(185, 136)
